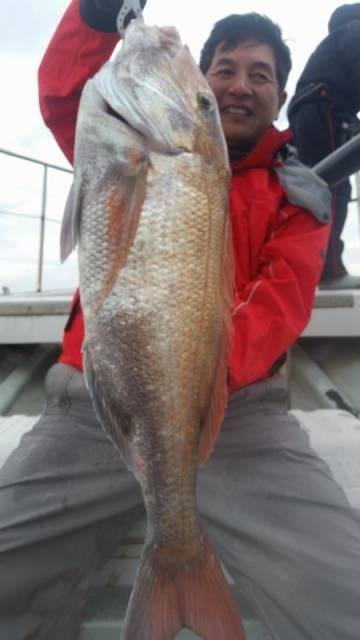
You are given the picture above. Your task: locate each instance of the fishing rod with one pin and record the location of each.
(340, 164)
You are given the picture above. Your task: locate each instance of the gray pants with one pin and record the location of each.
(280, 523)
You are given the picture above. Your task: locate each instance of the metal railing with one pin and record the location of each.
(43, 211)
(343, 162)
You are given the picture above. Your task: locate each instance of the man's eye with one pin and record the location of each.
(260, 77)
(224, 72)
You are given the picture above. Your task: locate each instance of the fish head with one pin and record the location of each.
(155, 86)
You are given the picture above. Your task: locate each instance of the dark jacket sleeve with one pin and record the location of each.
(75, 53)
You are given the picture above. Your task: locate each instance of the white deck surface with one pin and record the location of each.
(335, 314)
(335, 436)
(12, 428)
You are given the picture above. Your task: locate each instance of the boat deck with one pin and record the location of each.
(324, 374)
(334, 434)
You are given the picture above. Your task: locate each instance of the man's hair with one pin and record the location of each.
(344, 14)
(236, 28)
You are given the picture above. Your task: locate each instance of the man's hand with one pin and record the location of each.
(101, 15)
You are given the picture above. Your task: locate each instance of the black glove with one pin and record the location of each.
(101, 15)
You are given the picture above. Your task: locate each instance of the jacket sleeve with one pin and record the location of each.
(75, 53)
(274, 308)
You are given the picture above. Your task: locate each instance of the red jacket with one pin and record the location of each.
(279, 247)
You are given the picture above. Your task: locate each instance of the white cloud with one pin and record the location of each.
(27, 25)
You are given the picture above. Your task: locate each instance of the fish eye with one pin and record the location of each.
(204, 101)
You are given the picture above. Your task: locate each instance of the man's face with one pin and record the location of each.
(247, 91)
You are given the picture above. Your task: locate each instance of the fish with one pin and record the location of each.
(148, 209)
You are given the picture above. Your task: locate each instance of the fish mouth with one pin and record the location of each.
(114, 114)
(162, 148)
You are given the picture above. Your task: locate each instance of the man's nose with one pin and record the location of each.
(240, 85)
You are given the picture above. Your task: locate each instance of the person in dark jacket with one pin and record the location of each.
(322, 116)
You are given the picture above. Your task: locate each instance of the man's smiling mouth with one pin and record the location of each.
(240, 111)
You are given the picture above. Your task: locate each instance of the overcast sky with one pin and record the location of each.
(25, 30)
(27, 26)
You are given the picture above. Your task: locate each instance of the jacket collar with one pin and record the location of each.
(263, 154)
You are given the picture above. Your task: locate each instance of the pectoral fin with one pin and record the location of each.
(70, 228)
(125, 195)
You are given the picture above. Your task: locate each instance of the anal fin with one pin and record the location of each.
(211, 427)
(111, 424)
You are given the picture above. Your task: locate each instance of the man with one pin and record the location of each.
(322, 115)
(281, 525)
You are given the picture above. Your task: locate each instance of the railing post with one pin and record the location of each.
(357, 189)
(42, 230)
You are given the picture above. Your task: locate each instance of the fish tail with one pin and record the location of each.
(192, 593)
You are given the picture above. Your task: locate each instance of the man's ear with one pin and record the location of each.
(282, 99)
